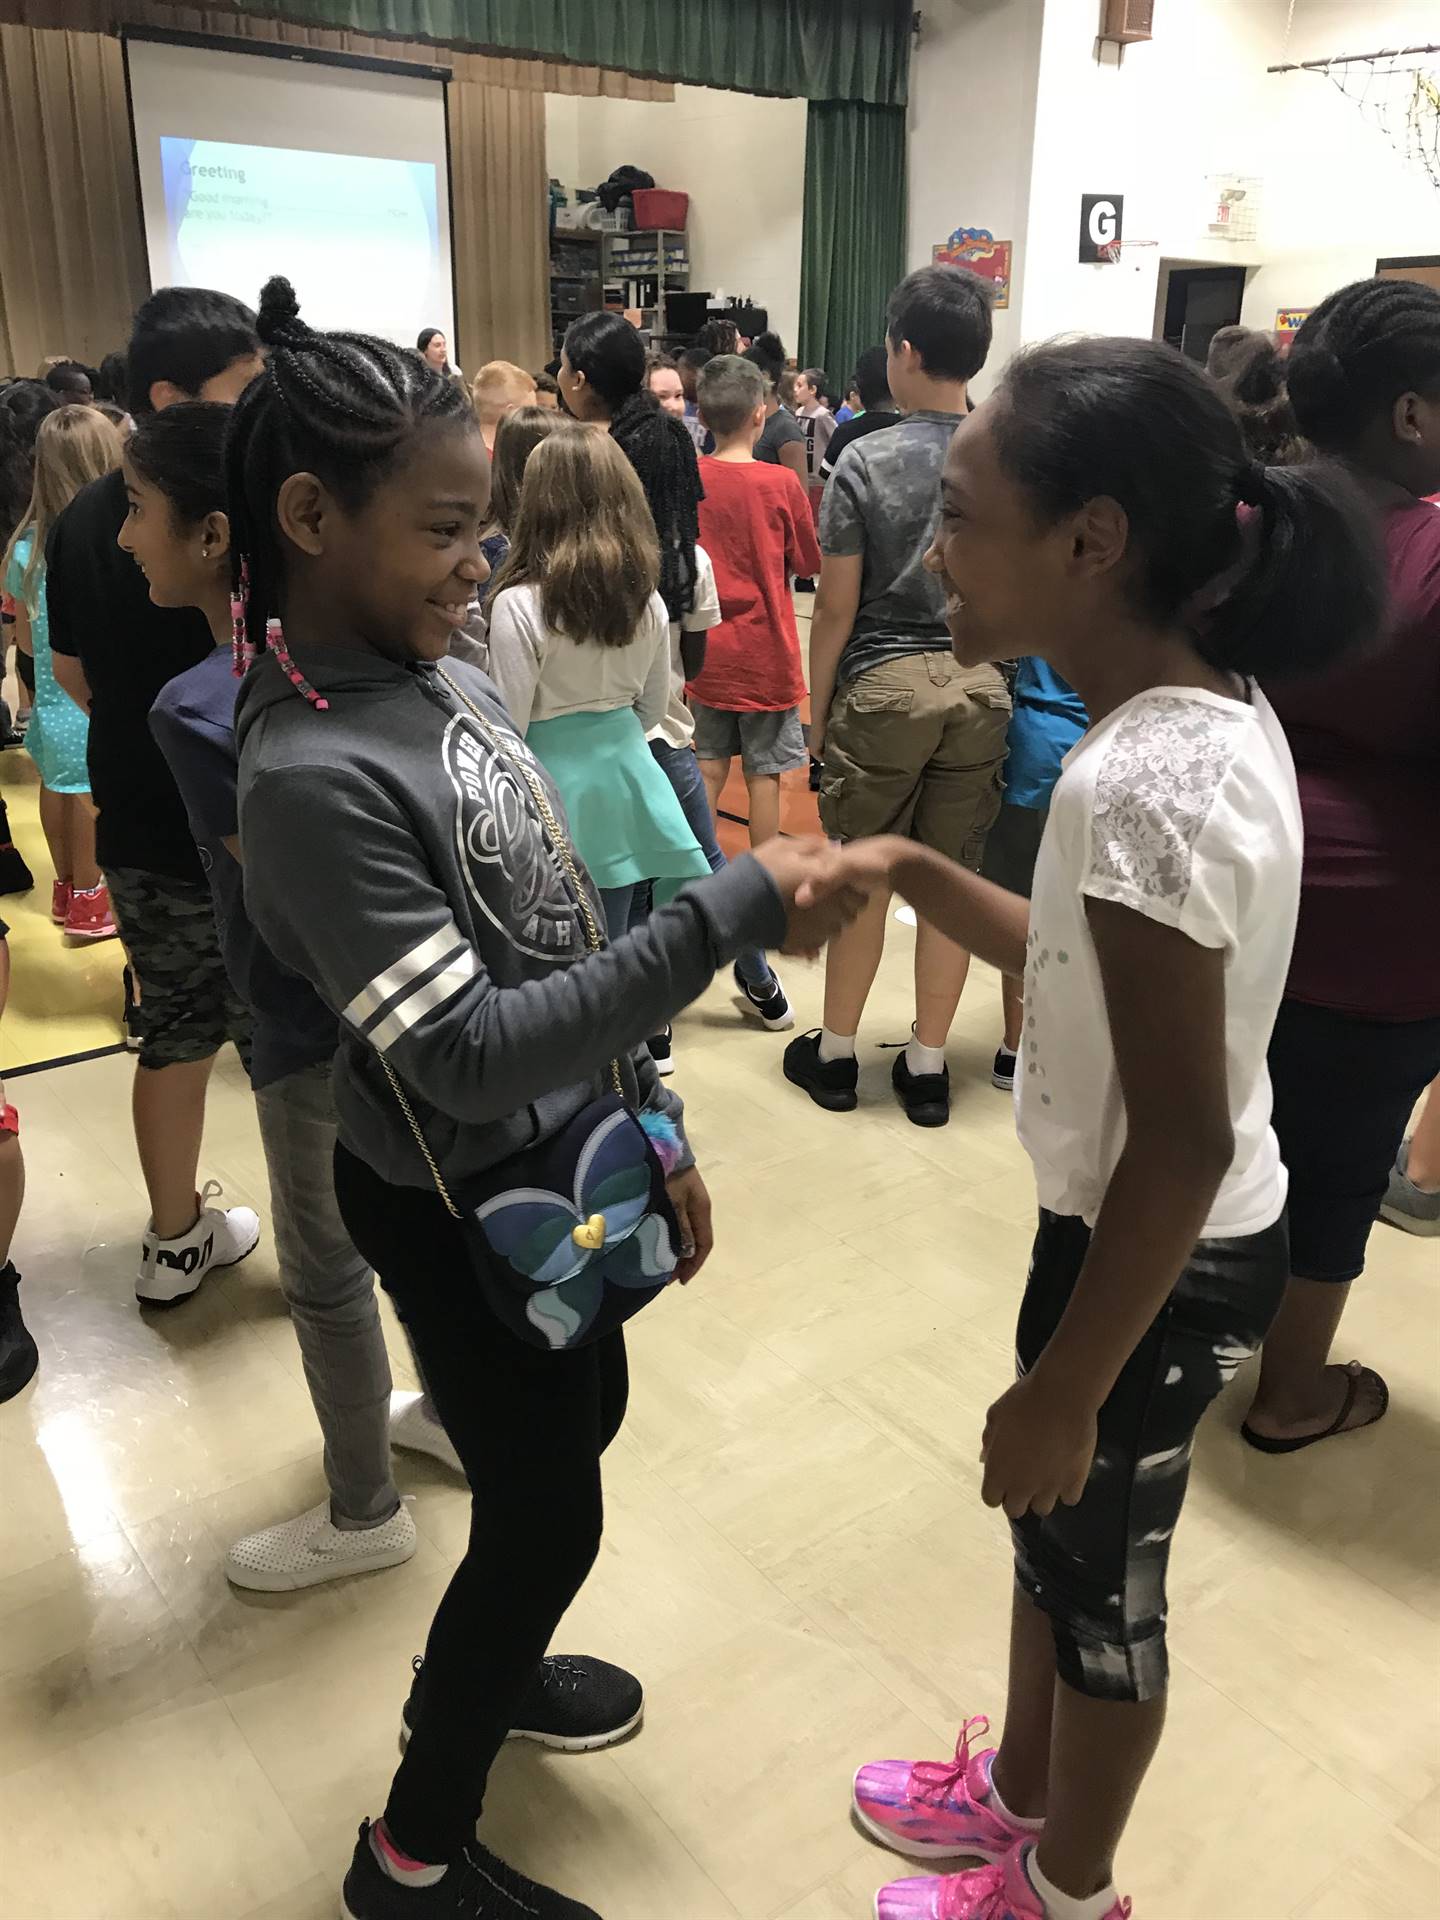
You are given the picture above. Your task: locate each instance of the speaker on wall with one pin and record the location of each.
(1128, 20)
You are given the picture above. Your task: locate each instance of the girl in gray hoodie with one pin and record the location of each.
(394, 856)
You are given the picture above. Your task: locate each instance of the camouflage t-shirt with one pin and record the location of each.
(883, 502)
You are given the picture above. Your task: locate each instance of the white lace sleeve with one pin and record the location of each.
(1162, 773)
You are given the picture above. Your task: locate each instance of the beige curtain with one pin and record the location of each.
(502, 248)
(72, 261)
(72, 266)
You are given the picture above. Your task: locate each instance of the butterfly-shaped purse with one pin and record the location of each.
(570, 1238)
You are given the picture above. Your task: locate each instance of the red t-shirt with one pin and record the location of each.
(1366, 740)
(755, 525)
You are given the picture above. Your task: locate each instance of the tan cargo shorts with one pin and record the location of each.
(915, 746)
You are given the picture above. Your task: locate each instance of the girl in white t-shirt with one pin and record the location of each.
(580, 649)
(1102, 511)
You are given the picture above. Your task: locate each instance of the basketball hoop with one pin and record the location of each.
(1110, 254)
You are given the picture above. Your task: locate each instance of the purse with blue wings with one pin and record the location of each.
(570, 1238)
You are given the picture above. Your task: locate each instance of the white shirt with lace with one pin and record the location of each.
(1182, 806)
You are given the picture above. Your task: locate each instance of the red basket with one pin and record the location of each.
(657, 207)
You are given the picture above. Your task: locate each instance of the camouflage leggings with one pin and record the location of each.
(1098, 1568)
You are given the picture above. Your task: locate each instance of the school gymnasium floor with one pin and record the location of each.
(797, 1560)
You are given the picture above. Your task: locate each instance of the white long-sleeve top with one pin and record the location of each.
(543, 674)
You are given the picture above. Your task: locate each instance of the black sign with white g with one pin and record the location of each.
(1102, 223)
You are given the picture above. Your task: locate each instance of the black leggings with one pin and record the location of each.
(530, 1427)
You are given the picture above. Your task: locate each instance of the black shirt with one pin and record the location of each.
(101, 613)
(782, 429)
(855, 429)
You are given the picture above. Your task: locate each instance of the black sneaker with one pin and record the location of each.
(830, 1085)
(1002, 1074)
(924, 1096)
(661, 1052)
(769, 1002)
(805, 584)
(477, 1886)
(574, 1705)
(18, 1354)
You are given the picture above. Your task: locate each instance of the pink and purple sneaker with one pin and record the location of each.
(1001, 1891)
(934, 1810)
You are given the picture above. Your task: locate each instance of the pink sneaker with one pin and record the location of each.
(1001, 1891)
(89, 917)
(933, 1810)
(59, 901)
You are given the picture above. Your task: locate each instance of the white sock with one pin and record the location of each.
(1063, 1906)
(835, 1046)
(1015, 1819)
(924, 1059)
(1009, 1053)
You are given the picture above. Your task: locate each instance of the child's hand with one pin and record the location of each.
(690, 1198)
(798, 865)
(864, 866)
(1037, 1449)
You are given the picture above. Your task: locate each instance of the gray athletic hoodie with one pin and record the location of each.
(395, 860)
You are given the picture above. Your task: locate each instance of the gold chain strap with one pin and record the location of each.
(593, 938)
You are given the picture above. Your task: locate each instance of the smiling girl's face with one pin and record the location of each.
(397, 572)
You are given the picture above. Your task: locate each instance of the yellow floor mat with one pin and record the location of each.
(65, 998)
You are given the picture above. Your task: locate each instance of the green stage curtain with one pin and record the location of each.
(853, 250)
(815, 49)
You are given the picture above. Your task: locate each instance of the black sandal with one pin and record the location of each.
(1358, 1375)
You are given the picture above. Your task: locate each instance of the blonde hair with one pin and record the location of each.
(516, 438)
(74, 446)
(585, 537)
(500, 380)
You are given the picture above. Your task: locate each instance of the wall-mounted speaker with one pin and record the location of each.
(1128, 20)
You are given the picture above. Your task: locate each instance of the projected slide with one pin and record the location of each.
(359, 237)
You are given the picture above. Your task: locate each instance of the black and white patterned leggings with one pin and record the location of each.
(1098, 1568)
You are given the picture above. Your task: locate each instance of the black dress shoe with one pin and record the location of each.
(924, 1096)
(830, 1084)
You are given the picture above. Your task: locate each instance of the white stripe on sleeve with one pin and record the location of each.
(461, 970)
(402, 972)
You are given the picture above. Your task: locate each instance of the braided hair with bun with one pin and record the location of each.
(1360, 350)
(342, 406)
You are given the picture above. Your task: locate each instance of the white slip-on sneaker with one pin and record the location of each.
(414, 1430)
(171, 1270)
(310, 1549)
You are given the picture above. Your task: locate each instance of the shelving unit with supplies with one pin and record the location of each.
(640, 269)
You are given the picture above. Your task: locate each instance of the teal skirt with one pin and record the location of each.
(625, 821)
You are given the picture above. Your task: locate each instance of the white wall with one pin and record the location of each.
(740, 157)
(971, 125)
(1152, 126)
(1340, 196)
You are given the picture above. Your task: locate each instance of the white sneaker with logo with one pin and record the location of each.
(171, 1270)
(414, 1429)
(310, 1549)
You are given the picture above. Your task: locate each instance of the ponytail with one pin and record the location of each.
(1312, 587)
(1275, 570)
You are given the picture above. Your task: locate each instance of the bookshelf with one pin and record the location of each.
(641, 269)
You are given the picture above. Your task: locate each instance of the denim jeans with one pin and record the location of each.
(682, 770)
(330, 1291)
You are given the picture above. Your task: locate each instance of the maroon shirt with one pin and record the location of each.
(1366, 740)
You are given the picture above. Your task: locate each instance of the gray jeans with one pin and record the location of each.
(330, 1291)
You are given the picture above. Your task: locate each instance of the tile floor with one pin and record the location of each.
(797, 1560)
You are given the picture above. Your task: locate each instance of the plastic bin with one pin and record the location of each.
(657, 207)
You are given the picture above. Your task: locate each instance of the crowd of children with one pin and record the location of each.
(446, 868)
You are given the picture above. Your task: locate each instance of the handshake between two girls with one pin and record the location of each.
(825, 886)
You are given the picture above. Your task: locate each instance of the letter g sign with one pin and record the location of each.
(1102, 220)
